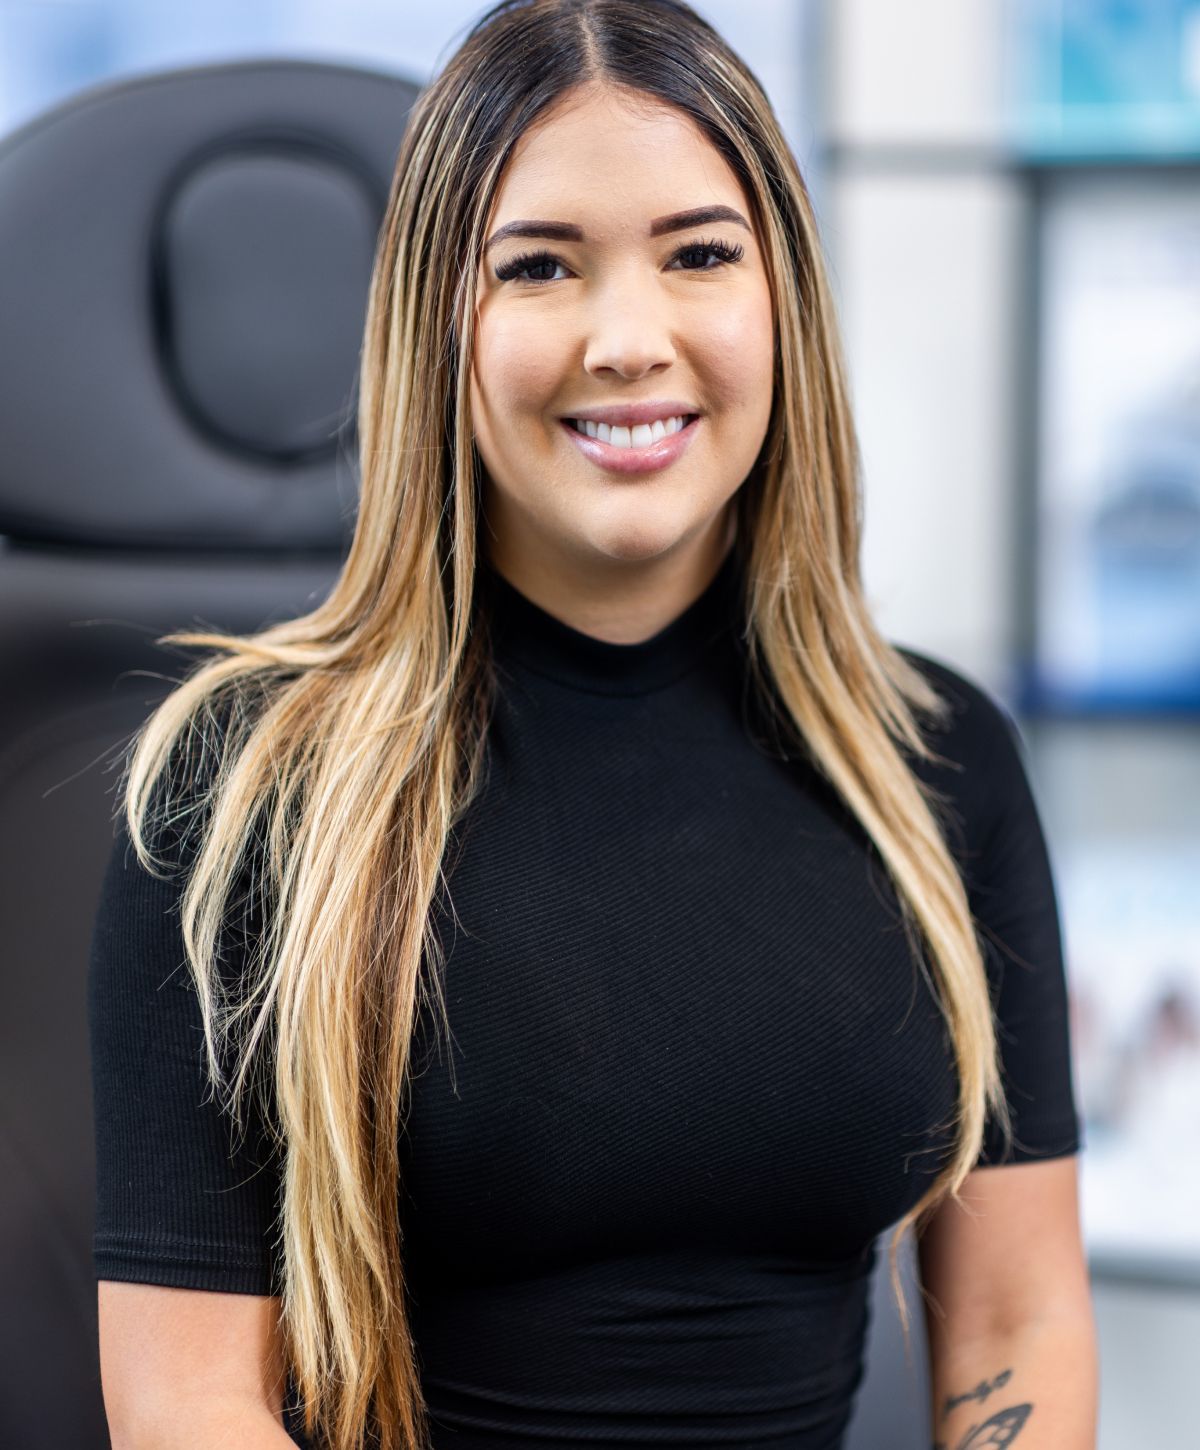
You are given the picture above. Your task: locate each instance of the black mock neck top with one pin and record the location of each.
(696, 1073)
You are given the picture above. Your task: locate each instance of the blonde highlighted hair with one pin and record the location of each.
(351, 739)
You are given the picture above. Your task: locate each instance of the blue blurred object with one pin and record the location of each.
(1145, 540)
(1104, 78)
(1117, 492)
(48, 51)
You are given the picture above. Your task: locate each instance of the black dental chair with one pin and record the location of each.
(185, 259)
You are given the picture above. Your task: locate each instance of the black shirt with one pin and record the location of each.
(696, 1070)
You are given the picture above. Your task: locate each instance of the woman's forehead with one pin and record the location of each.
(639, 165)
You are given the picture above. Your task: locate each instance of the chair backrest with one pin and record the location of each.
(186, 257)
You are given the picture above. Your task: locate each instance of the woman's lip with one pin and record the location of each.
(634, 460)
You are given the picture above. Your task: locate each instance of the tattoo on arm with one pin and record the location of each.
(980, 1392)
(998, 1430)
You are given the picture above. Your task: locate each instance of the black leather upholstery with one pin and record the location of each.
(185, 259)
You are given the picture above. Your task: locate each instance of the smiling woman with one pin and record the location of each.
(734, 919)
(655, 304)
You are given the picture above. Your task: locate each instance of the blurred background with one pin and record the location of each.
(1010, 199)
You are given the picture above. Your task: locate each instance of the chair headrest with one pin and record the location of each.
(186, 258)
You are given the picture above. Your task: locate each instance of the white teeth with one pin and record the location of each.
(640, 436)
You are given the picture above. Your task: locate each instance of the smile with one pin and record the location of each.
(645, 448)
(639, 436)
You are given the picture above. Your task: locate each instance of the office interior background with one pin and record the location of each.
(1009, 195)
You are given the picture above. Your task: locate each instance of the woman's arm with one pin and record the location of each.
(1012, 1343)
(1035, 1385)
(212, 1428)
(184, 1368)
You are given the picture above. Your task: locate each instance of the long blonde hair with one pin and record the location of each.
(350, 740)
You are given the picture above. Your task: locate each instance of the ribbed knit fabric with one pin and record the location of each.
(696, 1071)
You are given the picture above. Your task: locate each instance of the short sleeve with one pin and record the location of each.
(182, 1198)
(1001, 846)
(1013, 896)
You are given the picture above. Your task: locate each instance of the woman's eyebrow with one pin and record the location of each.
(568, 232)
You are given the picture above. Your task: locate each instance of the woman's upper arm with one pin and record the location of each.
(183, 1199)
(1012, 1255)
(1012, 1251)
(184, 1244)
(1015, 901)
(1008, 874)
(164, 1349)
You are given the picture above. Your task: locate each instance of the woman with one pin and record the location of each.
(595, 915)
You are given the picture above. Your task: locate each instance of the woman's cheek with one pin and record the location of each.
(519, 363)
(740, 341)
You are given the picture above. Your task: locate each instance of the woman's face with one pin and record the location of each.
(609, 300)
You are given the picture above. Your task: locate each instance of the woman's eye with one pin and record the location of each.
(722, 251)
(538, 267)
(527, 264)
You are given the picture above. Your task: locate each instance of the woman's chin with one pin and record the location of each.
(636, 538)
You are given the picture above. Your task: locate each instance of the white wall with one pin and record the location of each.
(927, 267)
(924, 235)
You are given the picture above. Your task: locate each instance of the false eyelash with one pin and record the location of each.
(728, 252)
(516, 265)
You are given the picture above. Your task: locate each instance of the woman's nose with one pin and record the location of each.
(628, 332)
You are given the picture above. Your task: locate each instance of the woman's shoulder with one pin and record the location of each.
(976, 717)
(977, 725)
(980, 763)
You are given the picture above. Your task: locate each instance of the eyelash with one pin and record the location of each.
(726, 251)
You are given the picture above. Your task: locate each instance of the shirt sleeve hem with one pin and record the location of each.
(1033, 1145)
(240, 1272)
